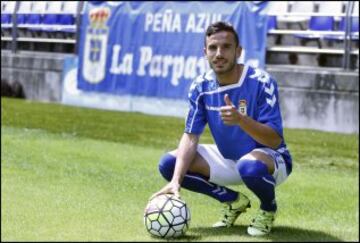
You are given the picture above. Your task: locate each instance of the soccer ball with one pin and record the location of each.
(167, 216)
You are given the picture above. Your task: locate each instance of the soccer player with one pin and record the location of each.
(240, 104)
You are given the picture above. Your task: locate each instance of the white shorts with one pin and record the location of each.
(223, 171)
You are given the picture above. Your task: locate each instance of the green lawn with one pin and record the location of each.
(76, 174)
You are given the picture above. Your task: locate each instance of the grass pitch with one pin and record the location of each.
(76, 174)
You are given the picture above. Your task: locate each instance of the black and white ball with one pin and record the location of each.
(167, 216)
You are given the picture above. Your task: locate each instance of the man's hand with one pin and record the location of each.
(229, 114)
(170, 188)
(262, 133)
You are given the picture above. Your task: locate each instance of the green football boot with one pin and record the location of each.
(231, 211)
(262, 223)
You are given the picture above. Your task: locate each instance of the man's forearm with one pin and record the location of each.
(185, 155)
(260, 132)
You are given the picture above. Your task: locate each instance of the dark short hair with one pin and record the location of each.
(221, 26)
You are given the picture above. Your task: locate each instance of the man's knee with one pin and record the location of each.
(261, 157)
(167, 165)
(251, 168)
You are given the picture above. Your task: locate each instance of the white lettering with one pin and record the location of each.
(167, 19)
(190, 27)
(145, 58)
(177, 23)
(148, 21)
(155, 66)
(158, 23)
(178, 69)
(199, 22)
(167, 63)
(163, 22)
(125, 67)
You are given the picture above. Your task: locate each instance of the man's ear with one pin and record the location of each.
(238, 51)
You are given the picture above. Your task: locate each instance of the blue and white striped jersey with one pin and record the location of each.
(255, 95)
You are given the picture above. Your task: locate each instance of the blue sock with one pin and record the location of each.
(256, 177)
(196, 182)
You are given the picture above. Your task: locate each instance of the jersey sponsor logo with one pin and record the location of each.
(212, 108)
(242, 107)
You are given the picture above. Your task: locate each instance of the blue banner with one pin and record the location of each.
(155, 49)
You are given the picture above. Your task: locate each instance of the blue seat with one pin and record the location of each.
(22, 18)
(69, 13)
(7, 9)
(50, 21)
(51, 16)
(5, 21)
(342, 25)
(34, 19)
(271, 22)
(67, 19)
(5, 18)
(318, 23)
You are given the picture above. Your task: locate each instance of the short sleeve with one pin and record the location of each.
(196, 117)
(269, 109)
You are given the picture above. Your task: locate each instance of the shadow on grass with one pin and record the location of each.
(279, 233)
(185, 237)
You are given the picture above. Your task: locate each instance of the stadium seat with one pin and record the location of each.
(51, 16)
(59, 17)
(5, 13)
(342, 27)
(69, 10)
(67, 17)
(5, 20)
(271, 22)
(7, 9)
(35, 19)
(318, 23)
(23, 13)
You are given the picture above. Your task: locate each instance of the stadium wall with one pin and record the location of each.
(322, 99)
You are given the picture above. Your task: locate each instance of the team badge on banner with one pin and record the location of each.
(95, 47)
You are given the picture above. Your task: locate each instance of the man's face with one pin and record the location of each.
(221, 51)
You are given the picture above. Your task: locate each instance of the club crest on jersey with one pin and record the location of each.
(96, 45)
(242, 107)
